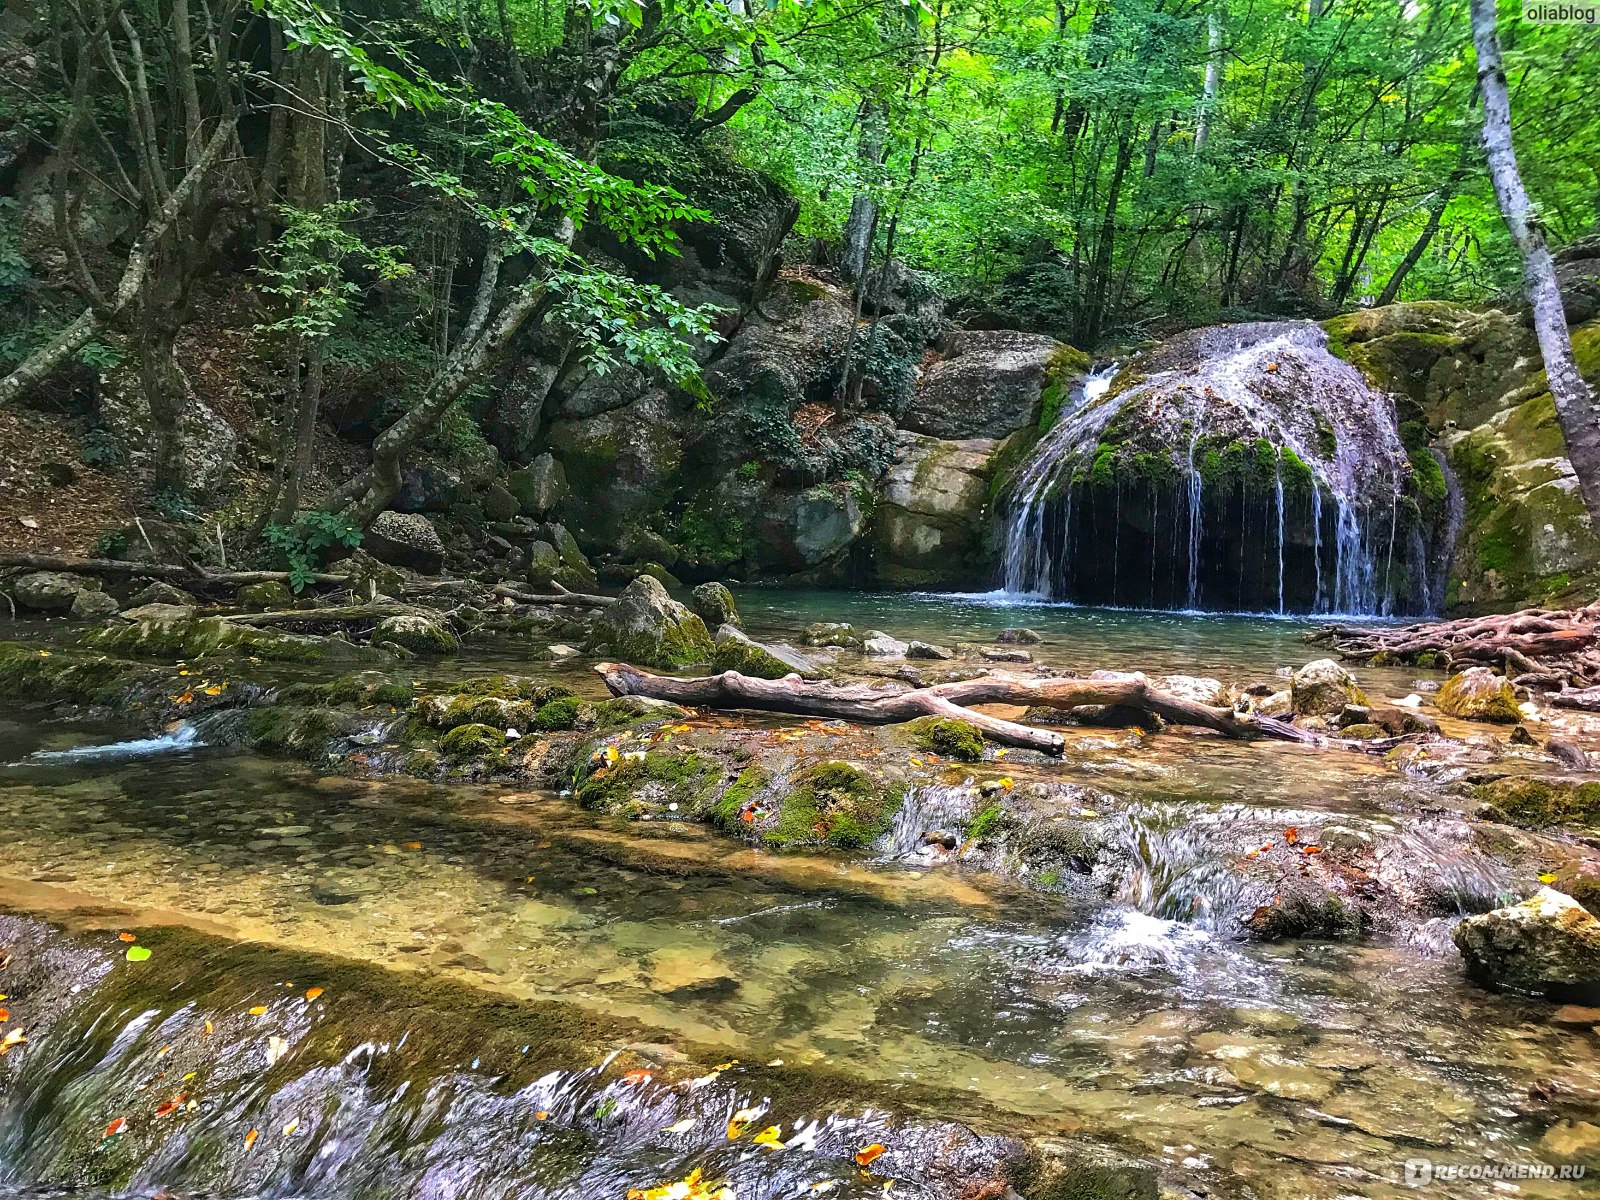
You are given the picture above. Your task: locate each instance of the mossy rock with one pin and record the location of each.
(268, 594)
(989, 822)
(561, 713)
(417, 633)
(833, 804)
(472, 741)
(199, 637)
(949, 737)
(638, 783)
(1537, 803)
(366, 689)
(29, 675)
(741, 795)
(292, 730)
(1478, 694)
(734, 651)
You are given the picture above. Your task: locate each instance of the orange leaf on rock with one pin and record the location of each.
(5, 1014)
(1311, 849)
(637, 1076)
(120, 1125)
(1291, 835)
(313, 993)
(868, 1155)
(125, 936)
(250, 1138)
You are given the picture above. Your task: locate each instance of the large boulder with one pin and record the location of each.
(92, 606)
(1322, 689)
(618, 462)
(1547, 945)
(48, 591)
(988, 383)
(931, 526)
(417, 633)
(1478, 694)
(540, 486)
(649, 628)
(827, 519)
(575, 573)
(206, 442)
(713, 604)
(405, 540)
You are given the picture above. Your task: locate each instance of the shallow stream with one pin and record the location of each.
(1292, 1069)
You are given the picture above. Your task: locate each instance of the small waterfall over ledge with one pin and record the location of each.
(1235, 468)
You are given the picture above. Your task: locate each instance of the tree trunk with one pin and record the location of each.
(1575, 407)
(1212, 90)
(863, 218)
(1437, 203)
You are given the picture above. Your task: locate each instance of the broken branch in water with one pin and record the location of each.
(870, 705)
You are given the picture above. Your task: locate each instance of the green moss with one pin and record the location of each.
(1103, 471)
(512, 687)
(743, 791)
(291, 729)
(987, 823)
(636, 783)
(1327, 438)
(833, 804)
(471, 741)
(560, 713)
(948, 736)
(28, 675)
(1497, 703)
(1537, 803)
(1586, 891)
(1298, 478)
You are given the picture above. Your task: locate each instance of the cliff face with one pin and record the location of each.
(1471, 380)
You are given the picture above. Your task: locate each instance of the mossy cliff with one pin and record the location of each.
(1471, 381)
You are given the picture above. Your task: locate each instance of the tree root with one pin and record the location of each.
(869, 705)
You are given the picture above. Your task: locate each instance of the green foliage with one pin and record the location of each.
(304, 269)
(303, 542)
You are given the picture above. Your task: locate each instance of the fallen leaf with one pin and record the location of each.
(209, 1030)
(185, 698)
(5, 1014)
(1291, 835)
(769, 1138)
(258, 1010)
(137, 953)
(120, 1125)
(740, 1121)
(276, 1049)
(125, 936)
(250, 1138)
(541, 1115)
(1006, 782)
(313, 993)
(1310, 849)
(411, 845)
(214, 690)
(1547, 877)
(166, 1106)
(868, 1155)
(682, 1126)
(11, 1040)
(288, 1130)
(637, 1076)
(164, 1051)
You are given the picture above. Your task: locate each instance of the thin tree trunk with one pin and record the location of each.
(863, 218)
(1212, 89)
(1437, 203)
(1575, 407)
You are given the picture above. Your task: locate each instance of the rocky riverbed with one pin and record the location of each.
(1154, 961)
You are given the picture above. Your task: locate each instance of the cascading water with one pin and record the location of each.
(1261, 447)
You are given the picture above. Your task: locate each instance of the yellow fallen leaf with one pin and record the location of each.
(214, 690)
(288, 1130)
(1006, 782)
(12, 1039)
(313, 993)
(164, 1051)
(769, 1138)
(682, 1126)
(250, 1138)
(740, 1121)
(1548, 877)
(916, 762)
(1002, 752)
(190, 1076)
(258, 1010)
(210, 1029)
(541, 1115)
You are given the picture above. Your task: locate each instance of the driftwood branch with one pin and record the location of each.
(870, 705)
(575, 599)
(171, 572)
(333, 615)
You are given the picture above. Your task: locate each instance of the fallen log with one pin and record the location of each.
(172, 572)
(342, 614)
(866, 704)
(575, 599)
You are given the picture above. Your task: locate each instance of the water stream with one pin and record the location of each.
(1122, 1007)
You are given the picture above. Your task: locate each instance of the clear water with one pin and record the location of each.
(1299, 1069)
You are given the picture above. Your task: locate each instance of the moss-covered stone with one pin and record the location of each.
(1478, 694)
(417, 633)
(187, 637)
(640, 782)
(948, 736)
(740, 797)
(471, 741)
(30, 675)
(833, 804)
(989, 822)
(1538, 802)
(649, 628)
(292, 730)
(560, 713)
(268, 594)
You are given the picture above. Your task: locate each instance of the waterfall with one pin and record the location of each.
(1225, 421)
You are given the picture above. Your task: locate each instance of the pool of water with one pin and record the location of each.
(1296, 1069)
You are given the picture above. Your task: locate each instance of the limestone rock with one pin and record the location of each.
(1322, 689)
(649, 628)
(877, 644)
(826, 520)
(1548, 944)
(48, 591)
(499, 504)
(928, 650)
(270, 593)
(736, 652)
(577, 574)
(1277, 704)
(931, 524)
(1018, 636)
(987, 384)
(1006, 654)
(405, 540)
(831, 633)
(540, 486)
(92, 606)
(160, 592)
(368, 578)
(414, 632)
(1478, 694)
(713, 604)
